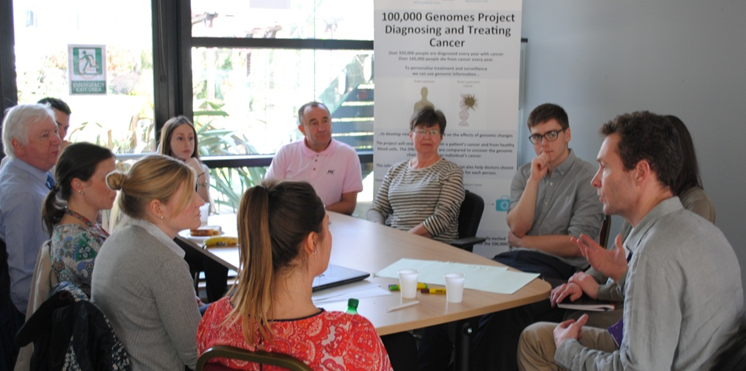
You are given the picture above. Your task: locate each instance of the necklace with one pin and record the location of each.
(95, 228)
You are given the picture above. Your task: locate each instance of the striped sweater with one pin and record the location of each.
(431, 196)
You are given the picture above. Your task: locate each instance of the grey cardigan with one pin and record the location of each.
(142, 283)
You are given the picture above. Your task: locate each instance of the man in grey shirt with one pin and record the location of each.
(551, 199)
(683, 292)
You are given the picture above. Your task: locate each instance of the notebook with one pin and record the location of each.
(334, 276)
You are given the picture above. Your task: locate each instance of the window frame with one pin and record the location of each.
(172, 66)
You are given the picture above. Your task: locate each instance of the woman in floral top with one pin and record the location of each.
(283, 231)
(71, 209)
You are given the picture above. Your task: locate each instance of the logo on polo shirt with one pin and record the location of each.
(330, 172)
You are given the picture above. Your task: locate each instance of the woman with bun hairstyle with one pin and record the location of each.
(285, 242)
(71, 209)
(179, 140)
(141, 281)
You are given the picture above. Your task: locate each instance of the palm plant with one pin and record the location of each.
(215, 141)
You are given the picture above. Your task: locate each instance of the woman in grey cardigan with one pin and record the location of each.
(141, 281)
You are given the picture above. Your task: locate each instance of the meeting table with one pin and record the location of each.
(371, 247)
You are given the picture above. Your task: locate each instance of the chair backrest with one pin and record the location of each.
(603, 236)
(4, 272)
(258, 356)
(733, 355)
(470, 215)
(41, 284)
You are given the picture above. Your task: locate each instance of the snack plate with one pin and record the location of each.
(200, 240)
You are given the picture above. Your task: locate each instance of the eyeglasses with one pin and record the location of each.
(549, 136)
(432, 132)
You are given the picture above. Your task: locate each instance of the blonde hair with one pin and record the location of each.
(154, 177)
(274, 219)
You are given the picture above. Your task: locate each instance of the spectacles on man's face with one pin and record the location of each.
(432, 132)
(551, 136)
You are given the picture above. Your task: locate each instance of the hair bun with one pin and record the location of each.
(115, 180)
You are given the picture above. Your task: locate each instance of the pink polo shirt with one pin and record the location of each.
(332, 172)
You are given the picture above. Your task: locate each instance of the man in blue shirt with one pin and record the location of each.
(31, 141)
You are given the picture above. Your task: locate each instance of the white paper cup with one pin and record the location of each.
(454, 287)
(204, 212)
(408, 283)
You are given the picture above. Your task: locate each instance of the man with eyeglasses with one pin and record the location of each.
(551, 200)
(332, 167)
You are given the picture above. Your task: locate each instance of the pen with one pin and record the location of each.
(400, 306)
(433, 291)
(420, 286)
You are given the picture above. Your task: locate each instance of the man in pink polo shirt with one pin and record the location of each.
(332, 167)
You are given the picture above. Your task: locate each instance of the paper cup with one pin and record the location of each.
(454, 287)
(408, 283)
(204, 212)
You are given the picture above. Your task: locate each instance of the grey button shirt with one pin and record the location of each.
(566, 203)
(683, 297)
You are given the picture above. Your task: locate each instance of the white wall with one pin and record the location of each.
(687, 58)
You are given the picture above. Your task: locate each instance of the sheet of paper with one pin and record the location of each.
(357, 290)
(478, 277)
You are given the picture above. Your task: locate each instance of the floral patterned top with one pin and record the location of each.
(324, 341)
(74, 249)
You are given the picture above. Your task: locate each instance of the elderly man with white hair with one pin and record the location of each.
(31, 141)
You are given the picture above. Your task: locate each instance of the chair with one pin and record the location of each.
(603, 235)
(42, 282)
(468, 222)
(70, 332)
(258, 356)
(733, 357)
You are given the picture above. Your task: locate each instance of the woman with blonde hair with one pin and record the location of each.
(283, 232)
(141, 281)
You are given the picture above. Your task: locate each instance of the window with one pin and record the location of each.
(121, 119)
(254, 63)
(240, 67)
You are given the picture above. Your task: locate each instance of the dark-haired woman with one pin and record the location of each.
(283, 232)
(423, 195)
(71, 208)
(179, 140)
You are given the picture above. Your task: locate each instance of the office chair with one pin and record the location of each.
(258, 356)
(603, 236)
(468, 222)
(733, 356)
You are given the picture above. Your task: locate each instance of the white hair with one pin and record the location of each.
(18, 121)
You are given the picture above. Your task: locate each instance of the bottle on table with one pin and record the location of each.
(352, 306)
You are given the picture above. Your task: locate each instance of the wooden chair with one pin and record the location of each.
(258, 356)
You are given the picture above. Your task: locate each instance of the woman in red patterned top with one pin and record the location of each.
(283, 231)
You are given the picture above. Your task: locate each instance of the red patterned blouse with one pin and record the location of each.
(324, 341)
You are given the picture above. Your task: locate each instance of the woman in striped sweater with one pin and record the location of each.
(422, 195)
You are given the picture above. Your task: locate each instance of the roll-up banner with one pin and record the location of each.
(462, 57)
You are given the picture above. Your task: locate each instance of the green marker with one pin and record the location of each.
(420, 286)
